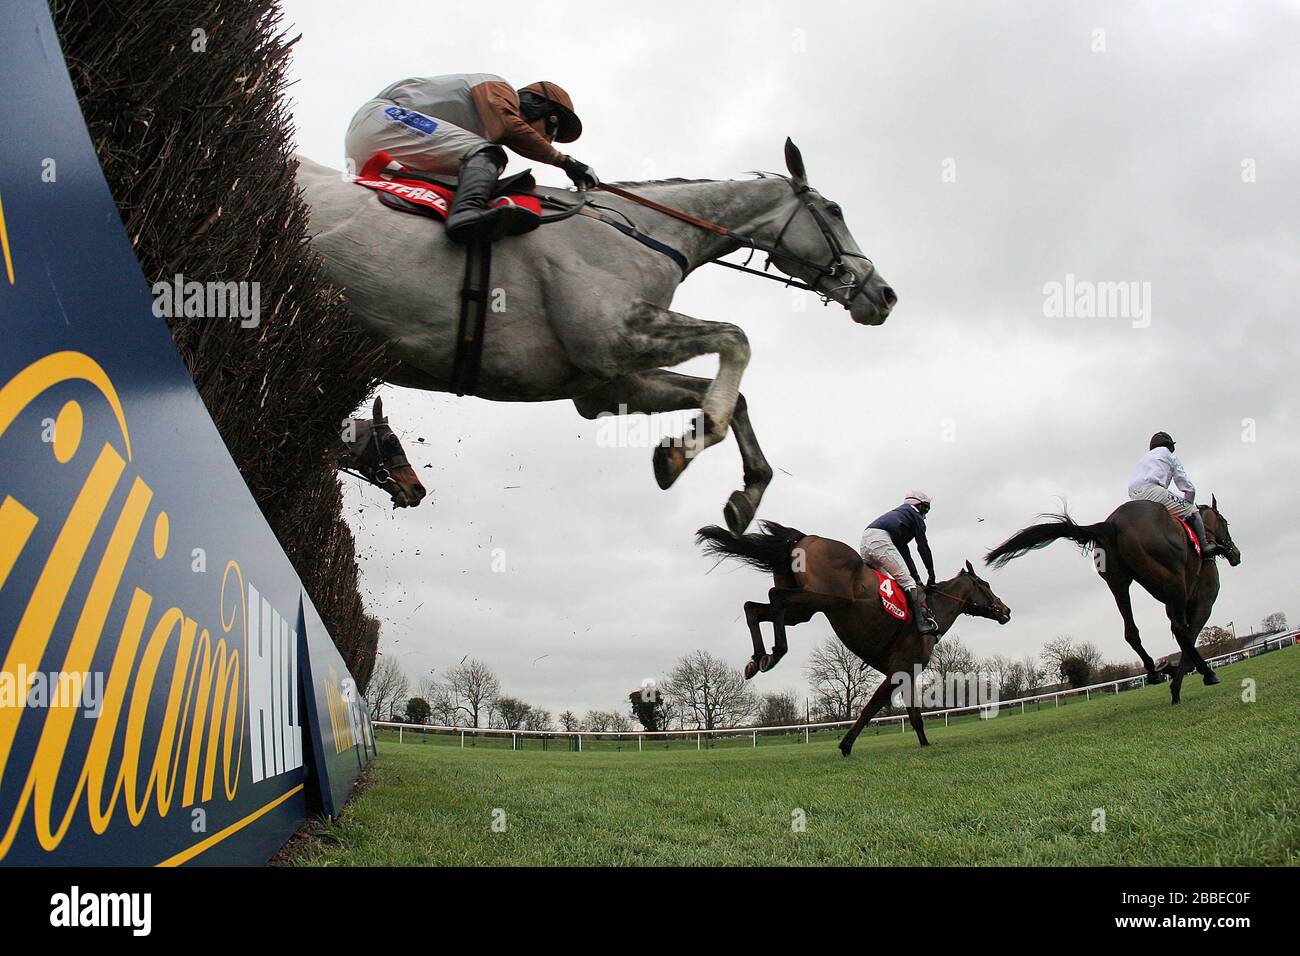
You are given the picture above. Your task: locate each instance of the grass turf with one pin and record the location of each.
(1212, 781)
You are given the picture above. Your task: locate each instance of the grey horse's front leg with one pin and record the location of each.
(663, 391)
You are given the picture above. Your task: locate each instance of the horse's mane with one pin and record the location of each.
(680, 181)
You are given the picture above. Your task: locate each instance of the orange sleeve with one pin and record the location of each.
(498, 107)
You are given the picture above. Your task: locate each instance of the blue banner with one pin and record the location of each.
(153, 656)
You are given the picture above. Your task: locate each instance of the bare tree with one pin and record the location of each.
(1035, 673)
(1008, 675)
(1274, 623)
(569, 721)
(841, 683)
(474, 687)
(778, 709)
(512, 711)
(952, 657)
(538, 719)
(709, 693)
(1055, 652)
(602, 721)
(388, 686)
(442, 703)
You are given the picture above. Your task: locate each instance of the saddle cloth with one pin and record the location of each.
(891, 595)
(1191, 535)
(426, 195)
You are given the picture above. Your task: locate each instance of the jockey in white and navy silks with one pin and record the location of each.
(1150, 481)
(885, 546)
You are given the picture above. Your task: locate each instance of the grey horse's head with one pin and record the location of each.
(819, 250)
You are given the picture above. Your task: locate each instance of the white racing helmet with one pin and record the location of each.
(916, 498)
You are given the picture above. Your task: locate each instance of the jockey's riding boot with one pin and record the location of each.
(470, 217)
(1208, 548)
(925, 622)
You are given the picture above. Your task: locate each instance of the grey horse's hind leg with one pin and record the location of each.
(663, 391)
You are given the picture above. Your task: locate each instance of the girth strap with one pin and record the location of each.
(473, 317)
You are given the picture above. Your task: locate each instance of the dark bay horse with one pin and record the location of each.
(812, 574)
(1141, 541)
(371, 451)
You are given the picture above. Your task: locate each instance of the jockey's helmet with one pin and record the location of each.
(1161, 440)
(917, 498)
(549, 100)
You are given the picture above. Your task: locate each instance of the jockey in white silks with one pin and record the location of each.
(1150, 482)
(456, 125)
(885, 546)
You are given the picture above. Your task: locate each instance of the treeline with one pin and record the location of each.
(703, 692)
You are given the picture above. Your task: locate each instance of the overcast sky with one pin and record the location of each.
(981, 151)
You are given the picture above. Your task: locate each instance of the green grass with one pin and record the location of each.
(1212, 781)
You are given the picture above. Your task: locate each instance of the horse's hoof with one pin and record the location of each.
(738, 512)
(844, 751)
(751, 668)
(1155, 677)
(1211, 679)
(669, 461)
(767, 663)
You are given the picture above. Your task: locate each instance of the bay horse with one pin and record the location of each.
(582, 312)
(1141, 541)
(373, 453)
(811, 574)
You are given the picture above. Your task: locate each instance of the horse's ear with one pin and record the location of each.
(1214, 502)
(969, 568)
(794, 162)
(378, 410)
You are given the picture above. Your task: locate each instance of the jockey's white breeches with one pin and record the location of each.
(1162, 496)
(424, 143)
(877, 549)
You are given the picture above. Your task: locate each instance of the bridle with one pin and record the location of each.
(961, 601)
(835, 267)
(370, 463)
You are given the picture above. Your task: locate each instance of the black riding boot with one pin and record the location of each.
(1208, 549)
(925, 622)
(470, 217)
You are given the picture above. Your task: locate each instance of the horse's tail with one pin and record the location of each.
(1040, 535)
(768, 550)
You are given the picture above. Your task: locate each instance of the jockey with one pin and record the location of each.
(1150, 482)
(456, 125)
(884, 546)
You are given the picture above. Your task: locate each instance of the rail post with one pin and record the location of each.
(399, 734)
(462, 740)
(638, 743)
(805, 734)
(945, 718)
(697, 740)
(756, 738)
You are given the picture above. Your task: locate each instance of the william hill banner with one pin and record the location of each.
(167, 693)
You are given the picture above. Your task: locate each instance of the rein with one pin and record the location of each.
(836, 266)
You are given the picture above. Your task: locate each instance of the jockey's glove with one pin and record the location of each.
(582, 175)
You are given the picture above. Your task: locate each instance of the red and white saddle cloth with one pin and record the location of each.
(375, 175)
(892, 598)
(1191, 535)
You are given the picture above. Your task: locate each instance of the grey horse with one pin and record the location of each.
(581, 312)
